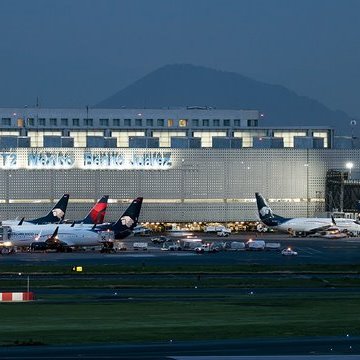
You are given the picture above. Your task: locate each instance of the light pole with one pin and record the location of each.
(352, 124)
(27, 282)
(349, 165)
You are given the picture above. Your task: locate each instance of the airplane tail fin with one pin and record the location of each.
(97, 213)
(265, 213)
(128, 220)
(56, 214)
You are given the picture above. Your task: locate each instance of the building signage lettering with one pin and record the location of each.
(50, 160)
(155, 159)
(8, 160)
(114, 160)
(106, 159)
(148, 160)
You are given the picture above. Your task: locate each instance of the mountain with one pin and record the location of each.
(189, 85)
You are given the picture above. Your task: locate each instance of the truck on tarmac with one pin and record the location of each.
(224, 232)
(171, 246)
(208, 247)
(274, 246)
(234, 245)
(216, 229)
(190, 243)
(255, 245)
(140, 245)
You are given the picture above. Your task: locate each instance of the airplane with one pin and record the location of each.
(54, 216)
(295, 226)
(64, 236)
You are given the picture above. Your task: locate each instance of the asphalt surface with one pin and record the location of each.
(330, 348)
(310, 251)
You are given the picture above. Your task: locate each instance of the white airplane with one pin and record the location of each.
(304, 226)
(64, 236)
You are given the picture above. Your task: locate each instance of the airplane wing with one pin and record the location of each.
(309, 228)
(54, 241)
(320, 228)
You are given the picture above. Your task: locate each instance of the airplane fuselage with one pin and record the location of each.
(306, 225)
(79, 235)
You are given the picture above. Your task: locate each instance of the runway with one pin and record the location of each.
(322, 348)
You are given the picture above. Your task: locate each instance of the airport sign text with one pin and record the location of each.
(113, 160)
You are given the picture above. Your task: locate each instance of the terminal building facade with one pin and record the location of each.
(193, 164)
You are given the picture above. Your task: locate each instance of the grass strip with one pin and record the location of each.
(229, 318)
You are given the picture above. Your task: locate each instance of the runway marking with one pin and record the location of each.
(131, 255)
(149, 255)
(271, 357)
(310, 250)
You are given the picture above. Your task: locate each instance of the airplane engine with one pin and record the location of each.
(38, 245)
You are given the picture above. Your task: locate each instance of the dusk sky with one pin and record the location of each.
(78, 52)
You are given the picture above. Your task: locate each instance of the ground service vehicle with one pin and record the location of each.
(216, 229)
(140, 245)
(159, 239)
(224, 232)
(190, 244)
(206, 248)
(255, 245)
(289, 252)
(233, 245)
(171, 246)
(272, 246)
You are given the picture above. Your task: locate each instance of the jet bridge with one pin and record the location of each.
(342, 193)
(5, 232)
(5, 243)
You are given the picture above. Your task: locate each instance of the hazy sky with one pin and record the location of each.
(78, 52)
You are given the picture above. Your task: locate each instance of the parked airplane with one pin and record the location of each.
(65, 236)
(54, 216)
(294, 226)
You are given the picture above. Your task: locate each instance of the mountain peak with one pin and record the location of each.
(181, 85)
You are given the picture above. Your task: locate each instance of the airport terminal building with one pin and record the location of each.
(194, 164)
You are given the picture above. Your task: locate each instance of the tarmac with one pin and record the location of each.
(310, 251)
(322, 348)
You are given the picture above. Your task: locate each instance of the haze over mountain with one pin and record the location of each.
(182, 85)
